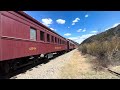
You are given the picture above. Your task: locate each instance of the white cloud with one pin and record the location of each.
(86, 15)
(73, 23)
(68, 27)
(84, 30)
(47, 21)
(76, 20)
(107, 28)
(95, 31)
(79, 30)
(60, 21)
(116, 24)
(67, 34)
(81, 38)
(53, 29)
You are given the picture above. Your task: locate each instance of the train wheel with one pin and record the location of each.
(5, 67)
(46, 56)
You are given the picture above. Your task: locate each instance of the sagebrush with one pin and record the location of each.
(106, 51)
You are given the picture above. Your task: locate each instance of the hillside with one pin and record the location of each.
(105, 46)
(104, 36)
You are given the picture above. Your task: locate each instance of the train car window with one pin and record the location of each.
(33, 33)
(55, 40)
(52, 39)
(58, 40)
(48, 38)
(42, 35)
(62, 42)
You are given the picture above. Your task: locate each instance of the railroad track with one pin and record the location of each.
(12, 74)
(18, 71)
(113, 72)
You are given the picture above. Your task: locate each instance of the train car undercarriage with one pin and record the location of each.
(10, 65)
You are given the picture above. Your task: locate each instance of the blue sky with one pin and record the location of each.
(77, 25)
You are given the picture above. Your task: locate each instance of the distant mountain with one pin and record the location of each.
(107, 35)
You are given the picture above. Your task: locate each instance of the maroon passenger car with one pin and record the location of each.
(23, 36)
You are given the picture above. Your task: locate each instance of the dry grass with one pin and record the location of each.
(73, 68)
(83, 67)
(107, 52)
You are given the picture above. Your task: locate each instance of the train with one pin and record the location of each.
(23, 40)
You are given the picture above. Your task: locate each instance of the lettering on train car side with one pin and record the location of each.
(32, 48)
(57, 47)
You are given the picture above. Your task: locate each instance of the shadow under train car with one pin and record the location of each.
(12, 74)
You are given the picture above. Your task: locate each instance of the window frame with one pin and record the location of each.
(31, 28)
(48, 38)
(52, 39)
(43, 33)
(58, 40)
(55, 39)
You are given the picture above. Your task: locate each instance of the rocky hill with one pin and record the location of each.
(105, 46)
(104, 36)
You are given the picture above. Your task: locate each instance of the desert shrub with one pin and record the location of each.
(105, 51)
(83, 49)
